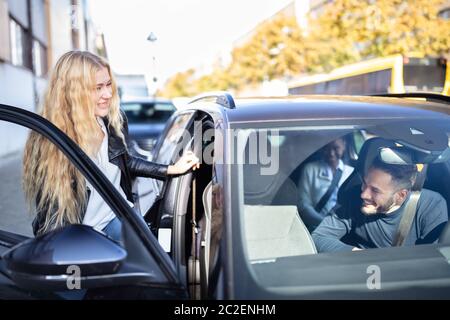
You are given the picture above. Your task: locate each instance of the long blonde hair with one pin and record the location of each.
(50, 180)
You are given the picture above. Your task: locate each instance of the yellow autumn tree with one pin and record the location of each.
(352, 30)
(345, 31)
(180, 85)
(274, 51)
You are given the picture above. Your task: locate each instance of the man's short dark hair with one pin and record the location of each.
(402, 175)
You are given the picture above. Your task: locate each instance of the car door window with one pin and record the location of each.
(175, 134)
(173, 139)
(16, 216)
(169, 144)
(14, 211)
(17, 213)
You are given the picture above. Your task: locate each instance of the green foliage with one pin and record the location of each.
(345, 31)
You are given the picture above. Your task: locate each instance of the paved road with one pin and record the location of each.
(14, 215)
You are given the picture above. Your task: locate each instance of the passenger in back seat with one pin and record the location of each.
(319, 182)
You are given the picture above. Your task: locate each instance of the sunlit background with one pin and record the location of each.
(176, 48)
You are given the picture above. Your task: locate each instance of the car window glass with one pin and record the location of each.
(175, 136)
(151, 113)
(273, 188)
(171, 144)
(272, 159)
(16, 213)
(16, 217)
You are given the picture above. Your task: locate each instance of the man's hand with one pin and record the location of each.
(185, 163)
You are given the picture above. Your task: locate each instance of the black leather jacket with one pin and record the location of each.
(130, 167)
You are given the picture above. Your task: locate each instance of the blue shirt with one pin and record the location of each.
(378, 230)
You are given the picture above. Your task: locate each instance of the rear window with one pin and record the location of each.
(148, 112)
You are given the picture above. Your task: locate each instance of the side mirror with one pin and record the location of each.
(50, 261)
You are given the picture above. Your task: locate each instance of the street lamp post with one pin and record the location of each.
(152, 38)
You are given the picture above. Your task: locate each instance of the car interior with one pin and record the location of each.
(406, 262)
(269, 236)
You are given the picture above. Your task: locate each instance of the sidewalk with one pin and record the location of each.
(10, 157)
(14, 216)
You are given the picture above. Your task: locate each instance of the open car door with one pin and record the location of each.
(78, 257)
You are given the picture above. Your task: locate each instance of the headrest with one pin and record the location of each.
(256, 183)
(370, 151)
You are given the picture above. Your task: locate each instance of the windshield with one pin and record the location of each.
(284, 172)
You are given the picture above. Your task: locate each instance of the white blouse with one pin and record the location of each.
(98, 213)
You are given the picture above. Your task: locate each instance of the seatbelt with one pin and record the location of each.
(411, 207)
(407, 219)
(337, 176)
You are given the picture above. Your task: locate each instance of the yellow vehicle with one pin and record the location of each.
(392, 74)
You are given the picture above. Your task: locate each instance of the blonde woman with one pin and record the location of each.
(82, 100)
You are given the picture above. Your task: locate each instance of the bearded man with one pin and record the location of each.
(371, 220)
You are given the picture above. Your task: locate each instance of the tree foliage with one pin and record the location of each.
(274, 51)
(352, 30)
(181, 84)
(345, 31)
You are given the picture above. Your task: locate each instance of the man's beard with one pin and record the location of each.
(371, 209)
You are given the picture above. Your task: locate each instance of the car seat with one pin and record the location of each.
(273, 227)
(270, 189)
(275, 231)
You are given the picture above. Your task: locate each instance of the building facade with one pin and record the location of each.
(33, 34)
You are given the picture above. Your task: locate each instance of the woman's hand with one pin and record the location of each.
(185, 163)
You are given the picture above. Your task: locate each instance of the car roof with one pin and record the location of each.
(296, 108)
